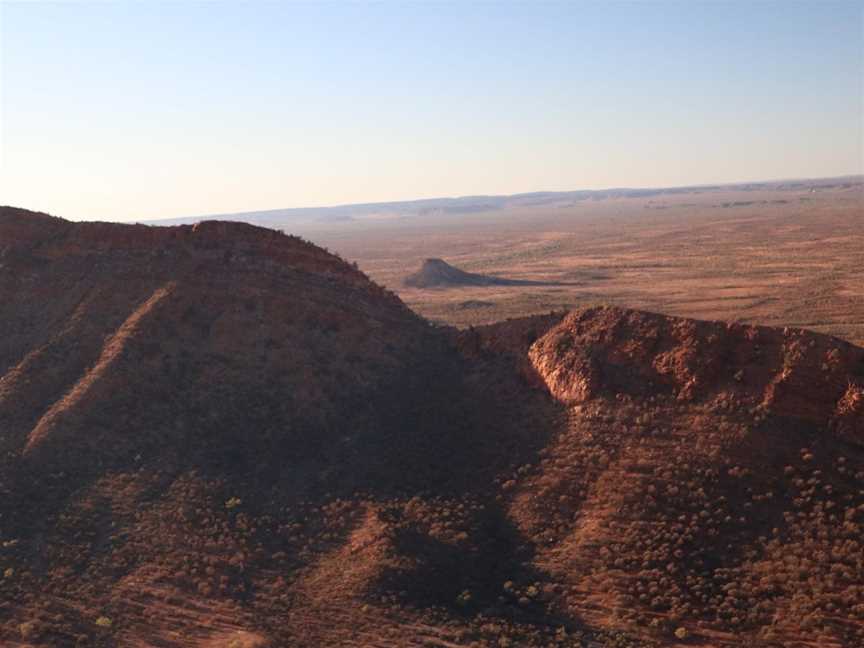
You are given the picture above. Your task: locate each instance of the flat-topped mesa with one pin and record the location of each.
(437, 273)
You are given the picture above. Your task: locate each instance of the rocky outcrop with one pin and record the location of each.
(793, 372)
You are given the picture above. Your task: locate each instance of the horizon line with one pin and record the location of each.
(704, 185)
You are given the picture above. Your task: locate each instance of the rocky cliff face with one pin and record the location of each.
(219, 435)
(596, 351)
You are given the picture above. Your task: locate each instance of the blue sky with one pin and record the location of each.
(119, 110)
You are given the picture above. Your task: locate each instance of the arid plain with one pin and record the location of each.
(780, 255)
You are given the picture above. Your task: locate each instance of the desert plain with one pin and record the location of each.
(778, 255)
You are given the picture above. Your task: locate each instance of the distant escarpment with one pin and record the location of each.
(219, 435)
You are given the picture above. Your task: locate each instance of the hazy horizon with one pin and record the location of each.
(753, 181)
(127, 111)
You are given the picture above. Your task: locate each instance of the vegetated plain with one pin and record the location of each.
(775, 254)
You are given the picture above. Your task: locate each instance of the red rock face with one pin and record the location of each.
(217, 434)
(600, 350)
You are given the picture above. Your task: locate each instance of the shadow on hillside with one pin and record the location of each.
(447, 425)
(487, 570)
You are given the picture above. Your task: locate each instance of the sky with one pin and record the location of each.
(146, 110)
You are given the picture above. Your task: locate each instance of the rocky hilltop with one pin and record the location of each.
(219, 435)
(437, 273)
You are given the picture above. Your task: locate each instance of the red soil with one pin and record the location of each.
(223, 436)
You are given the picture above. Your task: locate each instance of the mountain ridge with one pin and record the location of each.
(221, 434)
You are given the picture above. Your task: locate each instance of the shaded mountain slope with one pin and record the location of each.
(144, 322)
(223, 436)
(151, 375)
